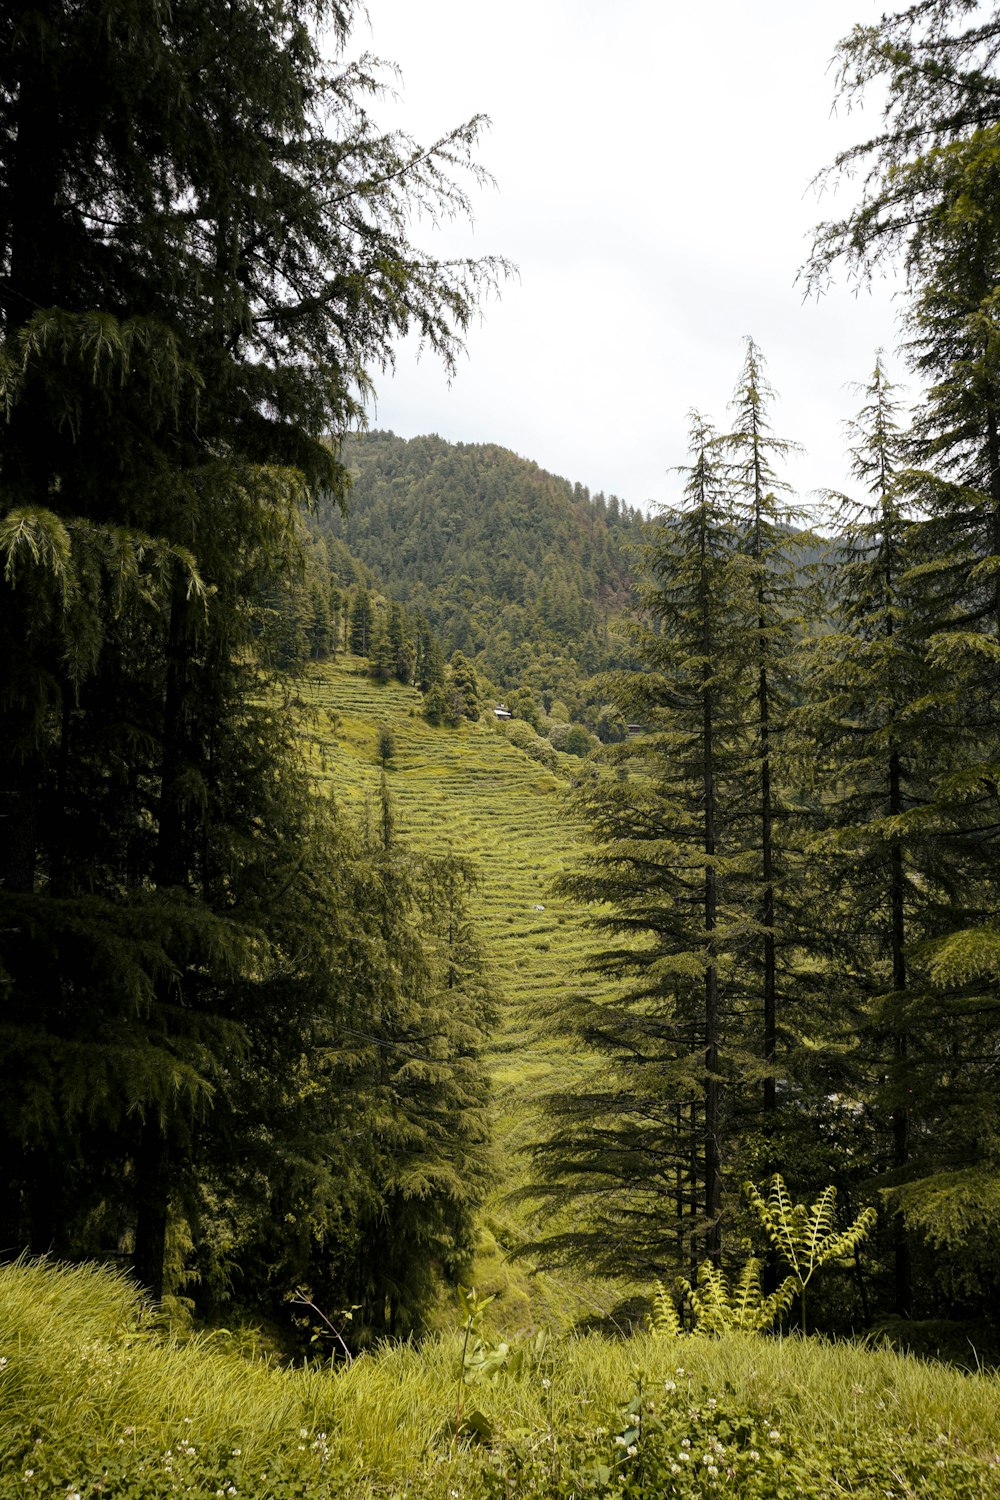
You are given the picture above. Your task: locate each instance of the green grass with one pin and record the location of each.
(469, 791)
(96, 1400)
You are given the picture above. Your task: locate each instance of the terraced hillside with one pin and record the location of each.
(470, 791)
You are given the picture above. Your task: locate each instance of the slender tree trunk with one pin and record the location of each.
(152, 1158)
(152, 1205)
(903, 1287)
(767, 903)
(713, 1175)
(900, 1113)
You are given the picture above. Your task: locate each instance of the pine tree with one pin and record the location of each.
(664, 873)
(202, 255)
(771, 606)
(867, 679)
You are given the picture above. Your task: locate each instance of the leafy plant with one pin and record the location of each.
(716, 1308)
(664, 1319)
(806, 1238)
(480, 1361)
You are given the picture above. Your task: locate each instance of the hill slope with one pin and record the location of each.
(505, 560)
(469, 790)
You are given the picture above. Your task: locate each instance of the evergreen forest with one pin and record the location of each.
(499, 992)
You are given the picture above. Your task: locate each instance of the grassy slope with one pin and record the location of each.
(469, 791)
(94, 1401)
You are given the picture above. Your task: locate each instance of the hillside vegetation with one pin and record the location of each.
(509, 563)
(469, 791)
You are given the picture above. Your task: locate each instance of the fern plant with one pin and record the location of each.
(806, 1238)
(664, 1319)
(717, 1308)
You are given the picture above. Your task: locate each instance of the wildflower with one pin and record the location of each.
(713, 1471)
(685, 1442)
(28, 1473)
(237, 1452)
(188, 1421)
(753, 1456)
(631, 1450)
(774, 1435)
(620, 1441)
(3, 1361)
(675, 1468)
(669, 1386)
(685, 1455)
(231, 1489)
(712, 1401)
(546, 1382)
(303, 1432)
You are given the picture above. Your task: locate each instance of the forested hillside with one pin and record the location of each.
(318, 976)
(509, 564)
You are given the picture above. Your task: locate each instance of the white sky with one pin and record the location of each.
(653, 161)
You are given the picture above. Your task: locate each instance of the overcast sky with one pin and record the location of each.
(653, 161)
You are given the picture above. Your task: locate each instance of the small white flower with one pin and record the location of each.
(631, 1450)
(237, 1452)
(3, 1361)
(685, 1442)
(713, 1471)
(188, 1421)
(620, 1441)
(712, 1401)
(675, 1468)
(753, 1456)
(303, 1432)
(774, 1435)
(546, 1382)
(685, 1455)
(28, 1473)
(669, 1385)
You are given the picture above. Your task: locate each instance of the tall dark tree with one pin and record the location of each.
(203, 257)
(771, 603)
(664, 874)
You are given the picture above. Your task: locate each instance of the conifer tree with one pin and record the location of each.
(867, 678)
(203, 254)
(771, 610)
(665, 872)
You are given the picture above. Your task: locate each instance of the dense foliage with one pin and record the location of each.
(204, 253)
(522, 571)
(799, 862)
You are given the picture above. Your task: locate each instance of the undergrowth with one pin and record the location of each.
(97, 1399)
